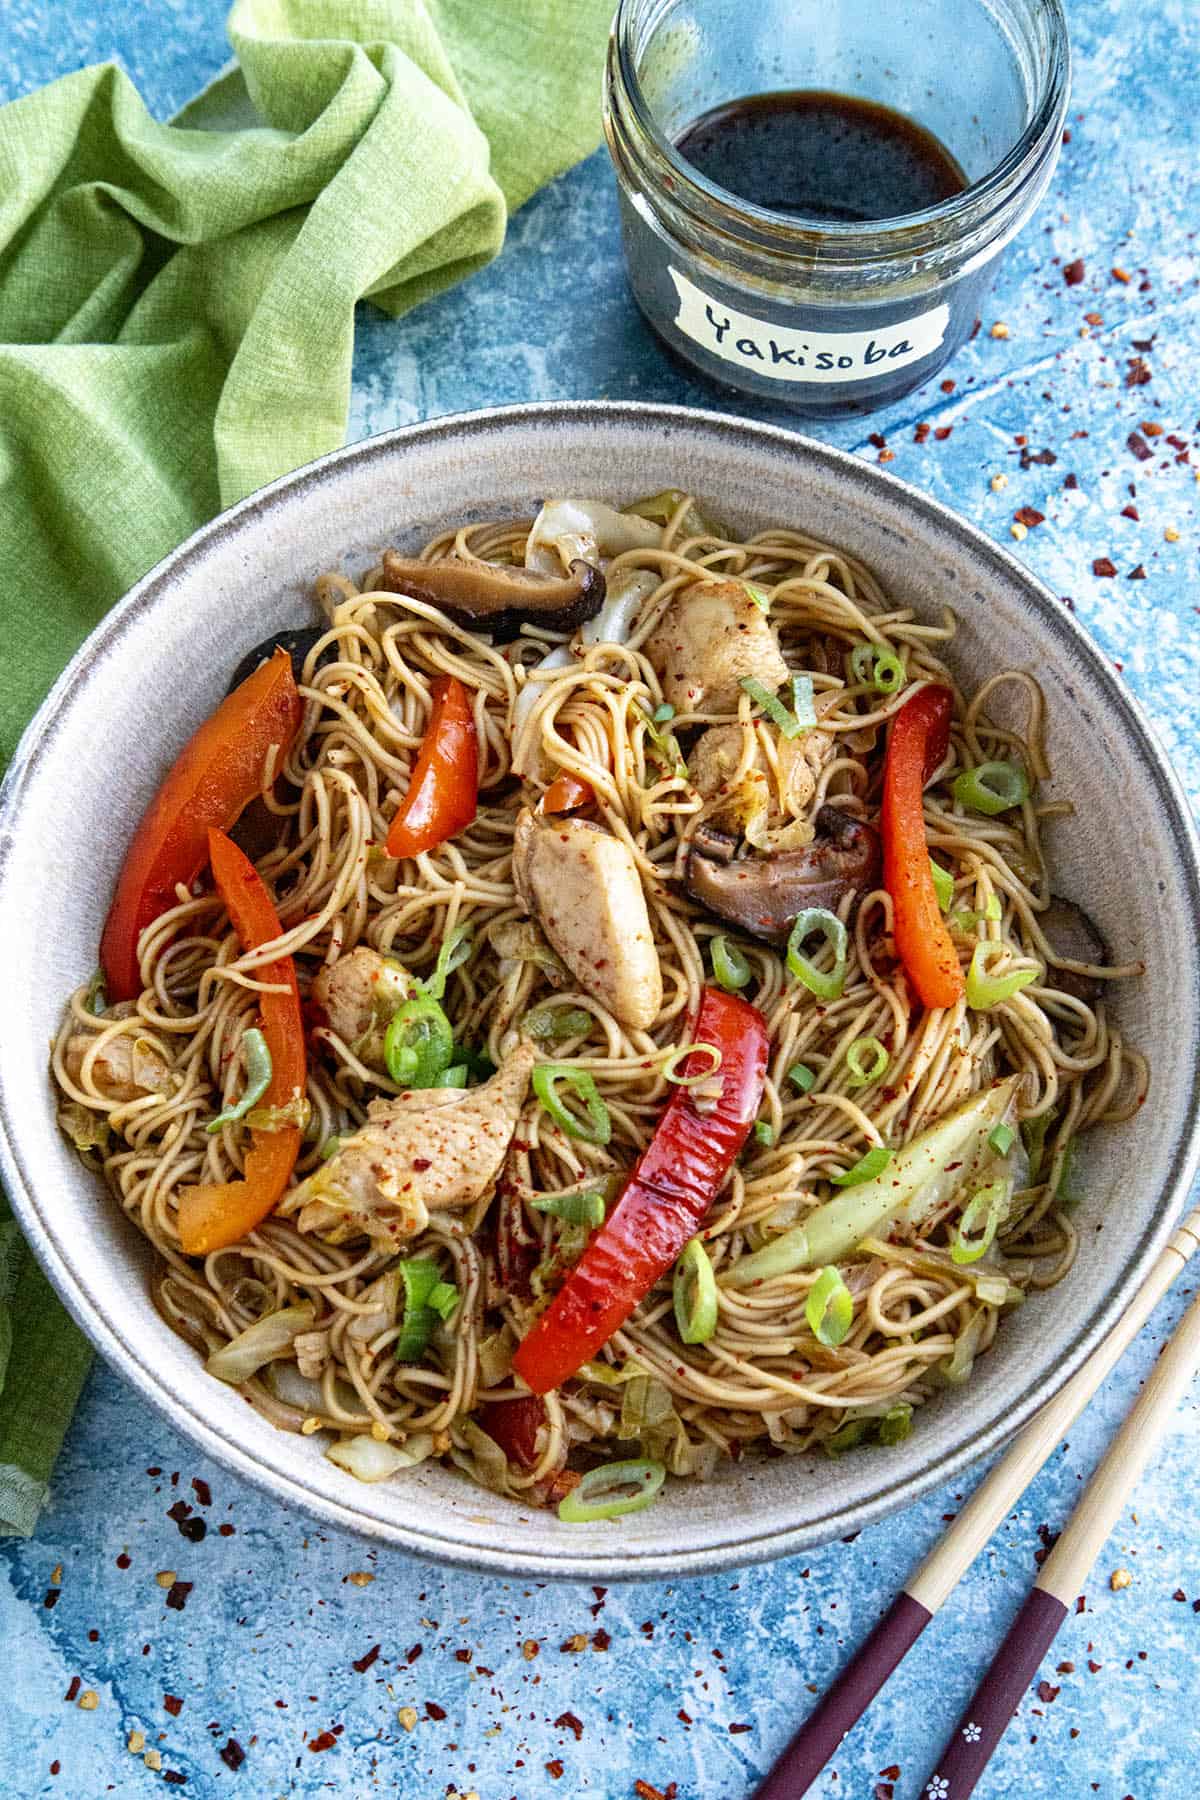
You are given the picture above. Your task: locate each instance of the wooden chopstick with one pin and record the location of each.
(856, 1686)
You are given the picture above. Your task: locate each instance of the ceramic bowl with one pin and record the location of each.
(158, 665)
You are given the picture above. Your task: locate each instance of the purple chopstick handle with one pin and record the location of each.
(996, 1699)
(845, 1702)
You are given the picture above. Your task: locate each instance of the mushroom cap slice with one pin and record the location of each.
(583, 887)
(495, 597)
(762, 895)
(1071, 934)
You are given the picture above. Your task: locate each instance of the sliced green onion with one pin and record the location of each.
(990, 1205)
(663, 712)
(829, 1307)
(993, 911)
(967, 921)
(801, 1076)
(1063, 1190)
(985, 991)
(420, 1277)
(549, 1023)
(862, 1075)
(878, 666)
(848, 1436)
(419, 1043)
(1001, 1139)
(826, 984)
(681, 1055)
(943, 885)
(444, 1300)
(730, 968)
(96, 999)
(695, 1294)
(866, 1168)
(1033, 1136)
(992, 788)
(896, 1424)
(453, 1077)
(611, 1491)
(257, 1058)
(330, 1147)
(595, 1126)
(454, 952)
(574, 1207)
(790, 724)
(760, 596)
(764, 1134)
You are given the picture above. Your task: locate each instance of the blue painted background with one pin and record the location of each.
(524, 1691)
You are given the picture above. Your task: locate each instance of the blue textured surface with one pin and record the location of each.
(699, 1683)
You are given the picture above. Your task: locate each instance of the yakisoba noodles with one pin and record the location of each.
(382, 1302)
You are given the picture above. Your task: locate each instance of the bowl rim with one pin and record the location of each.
(737, 1548)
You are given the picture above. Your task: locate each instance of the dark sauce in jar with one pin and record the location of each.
(820, 155)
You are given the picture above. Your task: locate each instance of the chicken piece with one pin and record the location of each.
(428, 1150)
(360, 994)
(760, 801)
(584, 889)
(127, 1068)
(710, 636)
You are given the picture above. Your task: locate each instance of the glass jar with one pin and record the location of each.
(829, 317)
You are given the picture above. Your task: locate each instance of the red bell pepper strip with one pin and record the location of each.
(444, 789)
(218, 771)
(920, 733)
(514, 1425)
(663, 1204)
(565, 794)
(213, 1216)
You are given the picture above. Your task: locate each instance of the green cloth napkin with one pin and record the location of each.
(176, 328)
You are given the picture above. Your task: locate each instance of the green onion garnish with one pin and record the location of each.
(990, 1205)
(453, 1077)
(574, 1207)
(549, 1023)
(866, 1168)
(96, 999)
(992, 788)
(662, 712)
(896, 1424)
(829, 1307)
(861, 1075)
(419, 1043)
(595, 1126)
(420, 1277)
(826, 984)
(760, 596)
(790, 724)
(1062, 1189)
(330, 1147)
(943, 885)
(801, 1076)
(695, 1294)
(257, 1058)
(1001, 1139)
(967, 921)
(878, 666)
(764, 1133)
(454, 952)
(1033, 1136)
(611, 1491)
(444, 1300)
(730, 968)
(985, 991)
(679, 1056)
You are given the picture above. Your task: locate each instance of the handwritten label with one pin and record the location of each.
(786, 354)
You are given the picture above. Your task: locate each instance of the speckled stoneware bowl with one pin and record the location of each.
(160, 662)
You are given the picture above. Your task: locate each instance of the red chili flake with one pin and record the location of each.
(942, 432)
(1138, 372)
(1081, 1603)
(93, 1637)
(201, 1490)
(601, 1640)
(55, 1766)
(891, 1773)
(568, 1722)
(177, 1594)
(1094, 318)
(50, 1598)
(124, 1561)
(74, 1688)
(421, 1162)
(434, 1710)
(1179, 1594)
(173, 1704)
(555, 1770)
(1047, 1693)
(1029, 515)
(463, 1656)
(644, 1791)
(921, 432)
(1074, 272)
(226, 1529)
(1152, 428)
(1131, 512)
(1138, 573)
(1095, 1667)
(363, 1663)
(886, 456)
(1072, 481)
(1103, 566)
(949, 385)
(1120, 274)
(1137, 443)
(417, 1650)
(1065, 1668)
(878, 440)
(647, 1628)
(1045, 457)
(326, 1741)
(736, 1730)
(175, 1778)
(232, 1754)
(884, 1790)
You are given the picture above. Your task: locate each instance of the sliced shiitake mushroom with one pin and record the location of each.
(494, 597)
(297, 641)
(762, 895)
(1071, 933)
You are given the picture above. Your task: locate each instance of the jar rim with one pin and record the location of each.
(787, 232)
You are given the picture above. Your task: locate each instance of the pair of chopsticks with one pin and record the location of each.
(1061, 1578)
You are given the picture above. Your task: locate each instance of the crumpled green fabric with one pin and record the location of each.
(177, 324)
